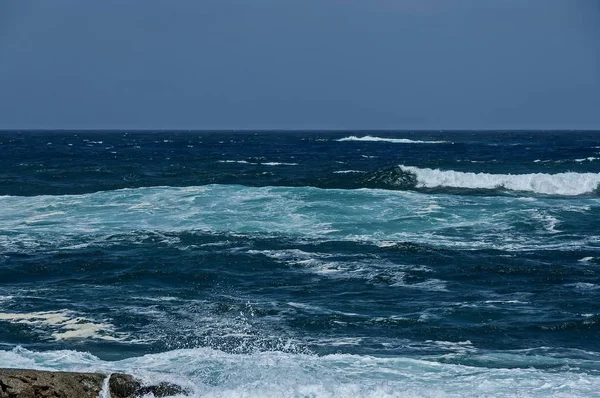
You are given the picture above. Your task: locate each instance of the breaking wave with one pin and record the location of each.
(212, 373)
(369, 138)
(563, 184)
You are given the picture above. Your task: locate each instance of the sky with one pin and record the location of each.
(300, 64)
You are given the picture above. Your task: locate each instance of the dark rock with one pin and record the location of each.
(19, 383)
(122, 386)
(125, 386)
(163, 390)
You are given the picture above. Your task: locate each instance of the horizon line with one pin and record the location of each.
(309, 130)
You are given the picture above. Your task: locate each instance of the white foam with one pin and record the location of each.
(588, 159)
(505, 302)
(212, 373)
(262, 164)
(4, 299)
(235, 161)
(105, 391)
(348, 171)
(368, 138)
(64, 325)
(548, 221)
(371, 216)
(163, 298)
(279, 164)
(431, 285)
(584, 286)
(567, 184)
(586, 259)
(369, 269)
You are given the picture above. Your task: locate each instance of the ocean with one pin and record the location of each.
(306, 264)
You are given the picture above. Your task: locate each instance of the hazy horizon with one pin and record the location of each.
(291, 130)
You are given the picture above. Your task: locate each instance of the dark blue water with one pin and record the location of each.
(305, 263)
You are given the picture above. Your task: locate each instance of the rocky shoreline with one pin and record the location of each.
(24, 383)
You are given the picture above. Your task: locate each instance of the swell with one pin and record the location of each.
(396, 178)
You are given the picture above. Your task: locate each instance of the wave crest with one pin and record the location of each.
(369, 138)
(208, 372)
(563, 184)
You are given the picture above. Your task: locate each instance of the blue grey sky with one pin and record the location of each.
(300, 64)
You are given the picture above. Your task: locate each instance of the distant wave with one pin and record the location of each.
(235, 161)
(581, 160)
(261, 164)
(369, 138)
(567, 184)
(279, 164)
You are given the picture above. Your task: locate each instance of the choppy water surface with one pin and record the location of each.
(306, 264)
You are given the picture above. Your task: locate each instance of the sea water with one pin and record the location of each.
(306, 264)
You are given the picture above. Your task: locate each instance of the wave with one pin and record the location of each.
(580, 160)
(261, 164)
(368, 138)
(213, 373)
(279, 164)
(348, 171)
(561, 184)
(235, 161)
(376, 272)
(403, 178)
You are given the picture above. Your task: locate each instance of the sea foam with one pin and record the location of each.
(212, 373)
(159, 213)
(63, 325)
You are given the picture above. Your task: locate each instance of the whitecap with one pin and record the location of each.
(549, 222)
(348, 171)
(583, 286)
(567, 184)
(430, 285)
(369, 138)
(505, 302)
(235, 161)
(279, 164)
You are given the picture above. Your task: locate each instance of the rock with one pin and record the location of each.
(19, 383)
(125, 386)
(121, 386)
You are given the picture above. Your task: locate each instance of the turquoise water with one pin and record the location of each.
(306, 264)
